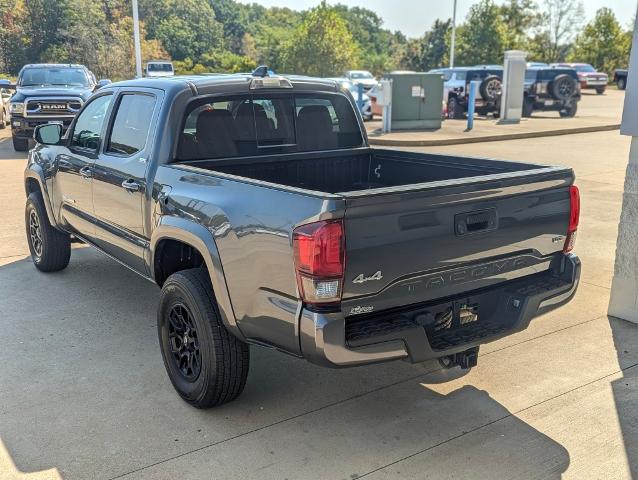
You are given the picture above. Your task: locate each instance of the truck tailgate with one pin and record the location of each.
(418, 243)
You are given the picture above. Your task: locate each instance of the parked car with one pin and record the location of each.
(362, 77)
(620, 78)
(537, 65)
(5, 95)
(551, 89)
(159, 68)
(366, 102)
(48, 93)
(258, 207)
(588, 76)
(456, 85)
(376, 109)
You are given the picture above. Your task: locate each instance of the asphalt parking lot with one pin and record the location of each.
(84, 394)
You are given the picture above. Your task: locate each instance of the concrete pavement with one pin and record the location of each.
(83, 392)
(595, 113)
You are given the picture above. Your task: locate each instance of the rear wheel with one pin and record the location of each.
(622, 83)
(3, 118)
(454, 109)
(20, 144)
(600, 90)
(50, 248)
(528, 107)
(569, 111)
(206, 364)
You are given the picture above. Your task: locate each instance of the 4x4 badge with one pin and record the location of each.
(362, 278)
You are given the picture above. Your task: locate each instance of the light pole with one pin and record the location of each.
(453, 36)
(136, 41)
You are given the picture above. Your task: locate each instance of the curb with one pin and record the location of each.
(389, 142)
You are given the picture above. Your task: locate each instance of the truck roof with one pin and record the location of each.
(235, 82)
(54, 65)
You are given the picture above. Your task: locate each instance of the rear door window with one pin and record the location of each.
(263, 124)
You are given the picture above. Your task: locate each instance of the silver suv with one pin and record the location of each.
(456, 84)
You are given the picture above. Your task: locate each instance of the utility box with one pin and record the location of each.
(417, 100)
(513, 84)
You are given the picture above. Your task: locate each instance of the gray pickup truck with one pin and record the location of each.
(257, 205)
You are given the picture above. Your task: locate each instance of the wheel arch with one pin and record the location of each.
(174, 232)
(34, 182)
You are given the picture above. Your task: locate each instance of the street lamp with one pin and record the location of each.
(136, 41)
(453, 36)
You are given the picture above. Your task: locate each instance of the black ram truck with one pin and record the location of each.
(258, 207)
(48, 93)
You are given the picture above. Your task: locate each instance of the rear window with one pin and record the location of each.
(261, 125)
(159, 67)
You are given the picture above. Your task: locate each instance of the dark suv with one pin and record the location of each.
(48, 93)
(457, 89)
(551, 89)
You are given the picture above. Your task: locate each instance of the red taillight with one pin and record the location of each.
(574, 216)
(319, 252)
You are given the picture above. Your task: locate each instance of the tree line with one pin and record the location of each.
(227, 36)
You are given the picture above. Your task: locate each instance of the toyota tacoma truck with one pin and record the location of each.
(48, 93)
(257, 205)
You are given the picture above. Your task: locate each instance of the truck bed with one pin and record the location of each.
(359, 169)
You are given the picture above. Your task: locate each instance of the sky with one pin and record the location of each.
(414, 17)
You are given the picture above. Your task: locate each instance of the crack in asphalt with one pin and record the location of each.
(381, 388)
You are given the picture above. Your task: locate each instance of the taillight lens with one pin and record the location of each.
(574, 216)
(319, 252)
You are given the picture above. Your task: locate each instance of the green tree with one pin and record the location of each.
(321, 45)
(481, 39)
(186, 28)
(560, 20)
(431, 50)
(519, 17)
(603, 43)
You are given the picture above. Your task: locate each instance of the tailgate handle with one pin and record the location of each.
(475, 222)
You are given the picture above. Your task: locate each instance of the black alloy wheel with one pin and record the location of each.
(184, 342)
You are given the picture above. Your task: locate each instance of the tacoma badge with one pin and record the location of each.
(362, 279)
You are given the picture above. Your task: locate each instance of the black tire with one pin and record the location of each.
(3, 118)
(563, 87)
(600, 91)
(622, 83)
(454, 109)
(20, 144)
(569, 111)
(491, 88)
(528, 107)
(50, 248)
(206, 364)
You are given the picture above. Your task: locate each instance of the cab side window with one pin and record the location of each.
(131, 124)
(88, 126)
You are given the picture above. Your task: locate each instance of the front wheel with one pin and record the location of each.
(622, 83)
(600, 91)
(528, 107)
(206, 364)
(20, 144)
(3, 118)
(50, 248)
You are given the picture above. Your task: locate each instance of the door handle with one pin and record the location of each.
(131, 185)
(86, 172)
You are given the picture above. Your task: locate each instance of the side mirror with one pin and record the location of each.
(48, 134)
(102, 83)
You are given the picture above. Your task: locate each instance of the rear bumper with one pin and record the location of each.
(329, 339)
